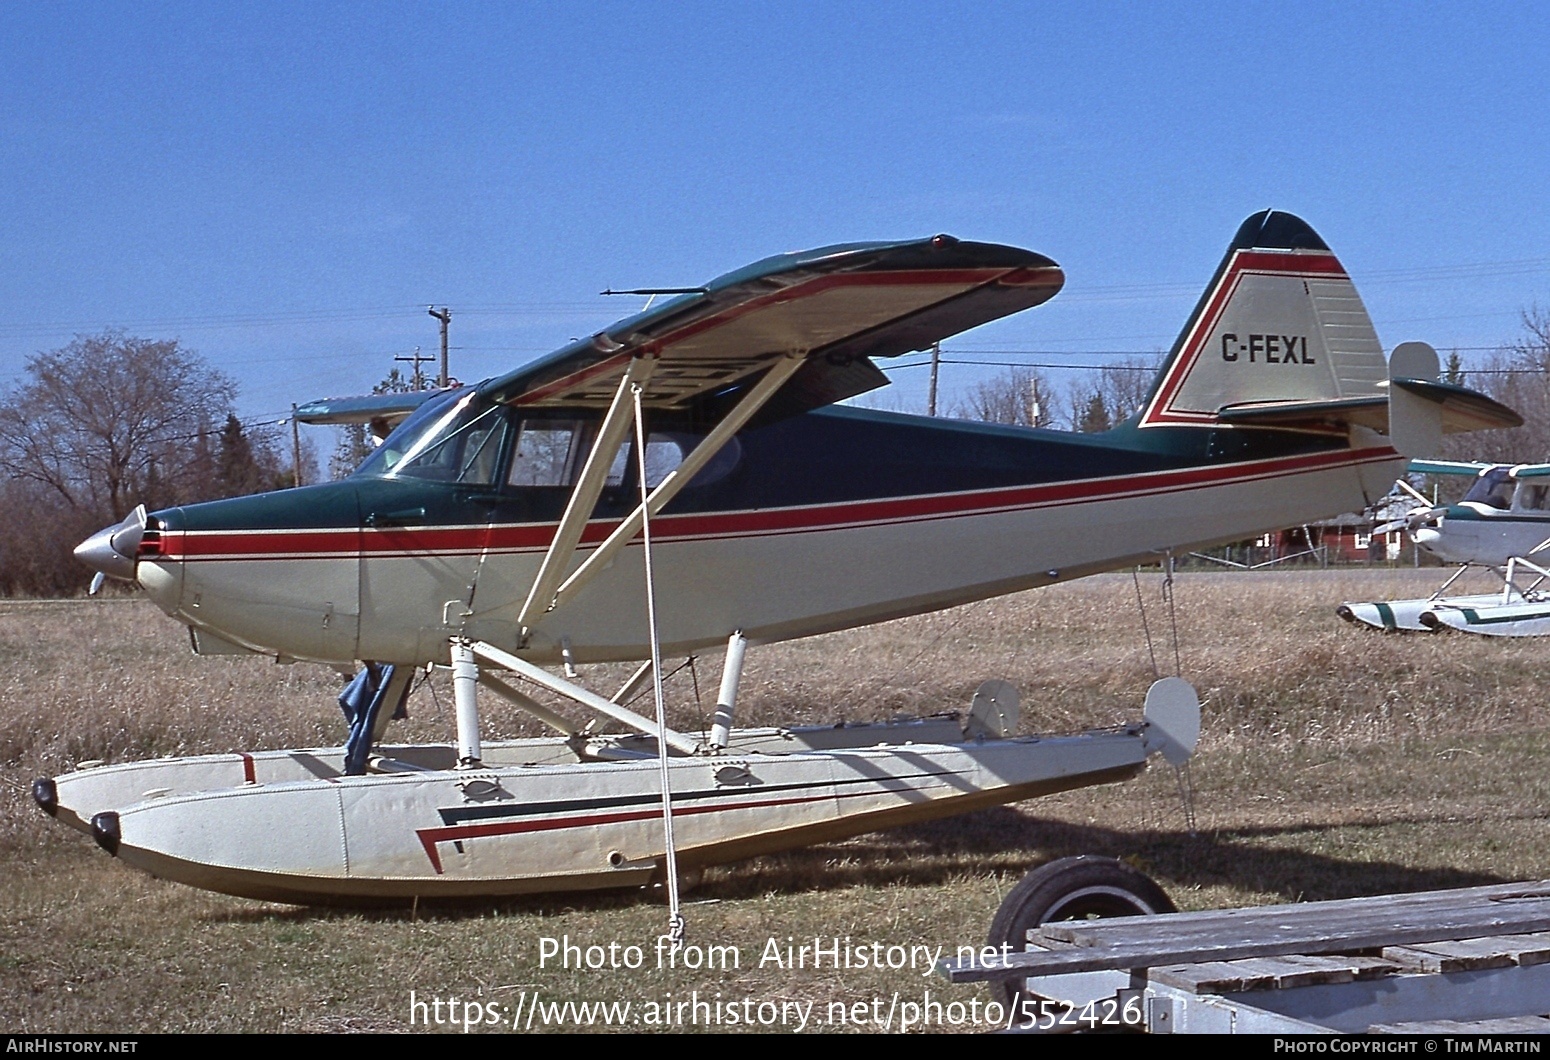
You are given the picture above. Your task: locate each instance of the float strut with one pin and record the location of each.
(726, 699)
(465, 697)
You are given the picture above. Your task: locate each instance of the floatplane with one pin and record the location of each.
(1501, 525)
(688, 479)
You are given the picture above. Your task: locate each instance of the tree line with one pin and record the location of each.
(1027, 398)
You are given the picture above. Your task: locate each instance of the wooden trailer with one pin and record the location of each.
(1472, 961)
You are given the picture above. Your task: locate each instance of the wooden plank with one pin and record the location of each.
(1457, 955)
(1285, 973)
(1210, 977)
(1367, 967)
(1473, 904)
(1140, 952)
(1336, 926)
(1309, 970)
(1528, 950)
(1510, 1025)
(1269, 973)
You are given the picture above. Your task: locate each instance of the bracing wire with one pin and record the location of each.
(675, 920)
(1146, 630)
(1173, 615)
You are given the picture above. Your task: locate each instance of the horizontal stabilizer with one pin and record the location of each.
(1462, 410)
(1335, 415)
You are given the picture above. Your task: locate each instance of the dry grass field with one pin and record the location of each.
(1335, 761)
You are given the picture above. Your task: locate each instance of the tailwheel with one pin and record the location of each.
(1079, 888)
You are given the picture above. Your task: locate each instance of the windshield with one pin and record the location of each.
(1494, 488)
(455, 437)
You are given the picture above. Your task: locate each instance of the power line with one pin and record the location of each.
(1076, 292)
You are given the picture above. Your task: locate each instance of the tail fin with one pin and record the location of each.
(1280, 321)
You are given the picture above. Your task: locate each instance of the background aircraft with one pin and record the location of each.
(1501, 524)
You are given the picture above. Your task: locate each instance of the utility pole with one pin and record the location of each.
(936, 361)
(445, 316)
(295, 449)
(419, 359)
(1033, 402)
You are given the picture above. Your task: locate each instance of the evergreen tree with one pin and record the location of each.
(1455, 372)
(1095, 416)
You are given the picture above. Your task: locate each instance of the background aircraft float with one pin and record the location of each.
(686, 479)
(1501, 524)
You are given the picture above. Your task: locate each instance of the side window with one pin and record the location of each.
(543, 455)
(481, 453)
(663, 454)
(1533, 496)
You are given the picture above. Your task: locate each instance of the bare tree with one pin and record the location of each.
(1022, 396)
(91, 430)
(1113, 395)
(111, 421)
(1518, 376)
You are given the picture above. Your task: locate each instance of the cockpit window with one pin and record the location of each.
(1533, 496)
(456, 438)
(663, 454)
(666, 451)
(546, 453)
(1494, 488)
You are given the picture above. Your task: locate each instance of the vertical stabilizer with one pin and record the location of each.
(1281, 321)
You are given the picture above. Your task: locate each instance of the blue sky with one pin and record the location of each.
(285, 188)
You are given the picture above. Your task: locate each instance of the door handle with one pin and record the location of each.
(402, 517)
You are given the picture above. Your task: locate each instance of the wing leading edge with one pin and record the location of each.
(1474, 469)
(838, 306)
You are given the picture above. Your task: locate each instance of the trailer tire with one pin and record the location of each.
(1079, 888)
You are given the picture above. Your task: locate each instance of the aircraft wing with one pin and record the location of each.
(388, 408)
(1474, 468)
(1448, 467)
(837, 306)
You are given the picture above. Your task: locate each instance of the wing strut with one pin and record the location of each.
(527, 703)
(583, 498)
(576, 694)
(680, 476)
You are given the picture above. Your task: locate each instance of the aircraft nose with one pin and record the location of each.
(111, 550)
(1426, 537)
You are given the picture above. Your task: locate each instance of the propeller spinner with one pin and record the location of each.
(111, 550)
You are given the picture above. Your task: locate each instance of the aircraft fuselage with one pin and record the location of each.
(831, 519)
(1470, 532)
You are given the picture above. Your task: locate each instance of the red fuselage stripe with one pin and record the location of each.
(286, 544)
(429, 837)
